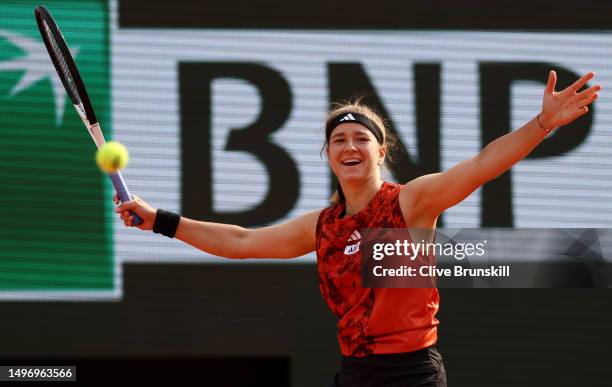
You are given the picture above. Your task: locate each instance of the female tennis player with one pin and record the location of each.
(387, 336)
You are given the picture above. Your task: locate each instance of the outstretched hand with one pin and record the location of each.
(562, 107)
(140, 207)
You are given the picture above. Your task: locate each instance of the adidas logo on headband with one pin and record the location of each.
(358, 118)
(348, 117)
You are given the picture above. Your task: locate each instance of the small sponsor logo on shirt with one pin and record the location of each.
(353, 243)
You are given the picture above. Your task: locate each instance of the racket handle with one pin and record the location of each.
(123, 193)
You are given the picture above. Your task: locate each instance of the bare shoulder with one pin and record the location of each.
(413, 202)
(307, 222)
(411, 194)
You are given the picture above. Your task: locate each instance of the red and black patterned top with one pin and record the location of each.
(370, 321)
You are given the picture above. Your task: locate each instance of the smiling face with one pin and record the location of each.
(354, 153)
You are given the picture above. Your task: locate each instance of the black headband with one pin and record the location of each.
(358, 118)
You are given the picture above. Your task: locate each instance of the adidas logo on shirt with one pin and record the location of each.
(348, 117)
(355, 241)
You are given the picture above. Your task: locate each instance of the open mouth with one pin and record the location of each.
(351, 162)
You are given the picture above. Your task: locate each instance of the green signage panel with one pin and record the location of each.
(55, 228)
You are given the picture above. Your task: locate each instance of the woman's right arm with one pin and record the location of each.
(287, 240)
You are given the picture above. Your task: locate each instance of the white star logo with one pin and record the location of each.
(37, 65)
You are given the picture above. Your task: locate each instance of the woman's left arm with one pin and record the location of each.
(432, 194)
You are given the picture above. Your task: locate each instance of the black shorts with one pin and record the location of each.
(423, 368)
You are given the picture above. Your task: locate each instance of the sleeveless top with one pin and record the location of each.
(370, 321)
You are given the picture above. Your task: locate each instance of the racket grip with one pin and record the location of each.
(123, 193)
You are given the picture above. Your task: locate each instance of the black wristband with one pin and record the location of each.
(166, 223)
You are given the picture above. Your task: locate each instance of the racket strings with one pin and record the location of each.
(62, 63)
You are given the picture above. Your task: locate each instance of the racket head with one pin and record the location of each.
(64, 63)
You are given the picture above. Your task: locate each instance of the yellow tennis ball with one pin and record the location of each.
(112, 157)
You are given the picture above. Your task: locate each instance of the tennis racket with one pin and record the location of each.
(69, 74)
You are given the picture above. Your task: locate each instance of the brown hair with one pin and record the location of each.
(356, 106)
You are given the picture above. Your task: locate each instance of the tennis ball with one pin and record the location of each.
(112, 157)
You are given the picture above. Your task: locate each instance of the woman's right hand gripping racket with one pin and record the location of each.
(69, 74)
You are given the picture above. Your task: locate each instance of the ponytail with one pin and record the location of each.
(338, 196)
(340, 193)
